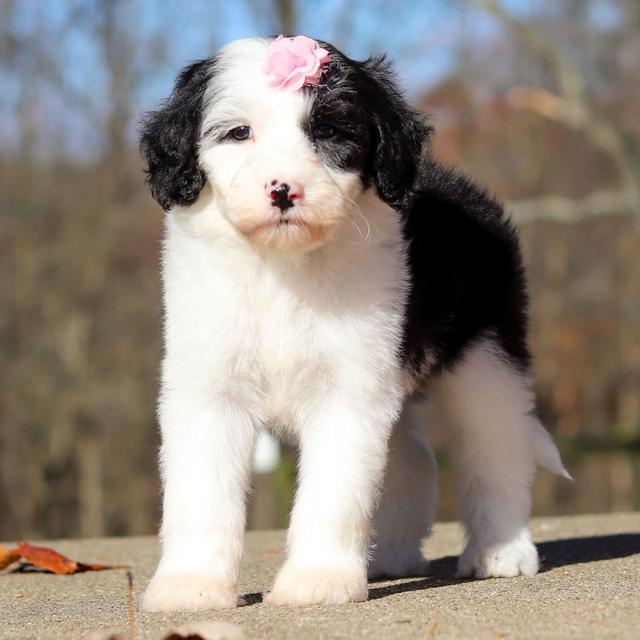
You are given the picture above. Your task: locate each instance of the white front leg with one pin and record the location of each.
(343, 450)
(205, 461)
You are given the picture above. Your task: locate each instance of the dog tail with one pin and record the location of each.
(545, 451)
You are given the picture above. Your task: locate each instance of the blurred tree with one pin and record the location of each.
(544, 114)
(542, 105)
(279, 16)
(572, 98)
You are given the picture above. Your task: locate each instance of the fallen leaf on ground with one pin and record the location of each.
(7, 557)
(45, 558)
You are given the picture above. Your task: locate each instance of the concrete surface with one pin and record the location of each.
(589, 587)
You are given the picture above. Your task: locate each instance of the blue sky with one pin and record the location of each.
(405, 29)
(422, 36)
(419, 35)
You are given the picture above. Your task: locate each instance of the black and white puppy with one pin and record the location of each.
(292, 303)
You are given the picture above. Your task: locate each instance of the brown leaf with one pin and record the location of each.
(52, 560)
(7, 557)
(81, 566)
(46, 559)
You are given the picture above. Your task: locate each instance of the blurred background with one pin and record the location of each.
(539, 100)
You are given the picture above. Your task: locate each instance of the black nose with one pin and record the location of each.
(280, 197)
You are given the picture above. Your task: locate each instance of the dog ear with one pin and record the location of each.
(399, 135)
(169, 140)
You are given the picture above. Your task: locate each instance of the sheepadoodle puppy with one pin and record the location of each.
(322, 277)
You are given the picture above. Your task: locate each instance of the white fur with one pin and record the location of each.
(298, 327)
(494, 437)
(407, 508)
(303, 339)
(305, 344)
(279, 149)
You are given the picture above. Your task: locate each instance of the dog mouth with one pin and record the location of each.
(287, 232)
(285, 223)
(293, 222)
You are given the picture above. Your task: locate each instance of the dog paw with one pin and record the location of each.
(397, 564)
(506, 560)
(300, 586)
(188, 592)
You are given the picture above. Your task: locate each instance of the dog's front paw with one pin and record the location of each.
(188, 592)
(504, 560)
(300, 586)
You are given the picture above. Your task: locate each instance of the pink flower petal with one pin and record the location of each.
(301, 48)
(315, 78)
(295, 81)
(310, 66)
(303, 43)
(276, 82)
(282, 64)
(293, 62)
(322, 55)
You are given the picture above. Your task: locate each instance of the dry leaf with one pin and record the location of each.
(45, 558)
(7, 557)
(83, 566)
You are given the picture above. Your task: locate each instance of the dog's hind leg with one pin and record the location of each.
(496, 442)
(407, 507)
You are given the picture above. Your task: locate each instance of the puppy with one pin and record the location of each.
(296, 299)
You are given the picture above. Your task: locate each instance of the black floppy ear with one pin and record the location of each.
(399, 135)
(169, 140)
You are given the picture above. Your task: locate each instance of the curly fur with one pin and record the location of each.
(387, 280)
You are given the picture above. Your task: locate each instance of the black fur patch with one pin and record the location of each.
(169, 139)
(467, 278)
(400, 134)
(378, 133)
(336, 102)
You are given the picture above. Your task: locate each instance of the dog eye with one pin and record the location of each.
(241, 133)
(323, 131)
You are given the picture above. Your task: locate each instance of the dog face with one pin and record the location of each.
(284, 167)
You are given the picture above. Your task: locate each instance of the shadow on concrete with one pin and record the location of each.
(249, 599)
(560, 553)
(553, 554)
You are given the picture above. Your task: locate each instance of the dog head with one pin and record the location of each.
(284, 166)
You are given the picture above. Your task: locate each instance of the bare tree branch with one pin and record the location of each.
(570, 80)
(572, 210)
(601, 133)
(571, 107)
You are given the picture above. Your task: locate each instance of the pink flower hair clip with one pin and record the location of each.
(294, 62)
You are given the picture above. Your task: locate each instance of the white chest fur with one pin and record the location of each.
(276, 331)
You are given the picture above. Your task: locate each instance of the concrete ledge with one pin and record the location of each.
(589, 586)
